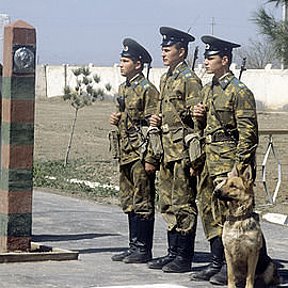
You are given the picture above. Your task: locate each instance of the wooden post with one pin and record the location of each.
(17, 139)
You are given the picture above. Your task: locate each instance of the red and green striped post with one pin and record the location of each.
(17, 136)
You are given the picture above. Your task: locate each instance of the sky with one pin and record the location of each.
(91, 31)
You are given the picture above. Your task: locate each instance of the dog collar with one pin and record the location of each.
(249, 214)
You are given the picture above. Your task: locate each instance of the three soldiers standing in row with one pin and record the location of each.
(223, 113)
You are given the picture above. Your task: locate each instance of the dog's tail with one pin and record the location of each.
(269, 277)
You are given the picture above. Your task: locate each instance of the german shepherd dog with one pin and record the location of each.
(242, 236)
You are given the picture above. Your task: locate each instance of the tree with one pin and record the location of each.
(258, 54)
(83, 94)
(275, 31)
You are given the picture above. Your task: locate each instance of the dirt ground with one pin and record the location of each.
(53, 120)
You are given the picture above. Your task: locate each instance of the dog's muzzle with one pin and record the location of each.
(219, 182)
(218, 193)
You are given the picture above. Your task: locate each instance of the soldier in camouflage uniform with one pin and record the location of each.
(179, 90)
(229, 121)
(137, 100)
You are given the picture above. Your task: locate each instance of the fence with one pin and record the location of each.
(269, 86)
(273, 166)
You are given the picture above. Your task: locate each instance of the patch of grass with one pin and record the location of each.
(90, 144)
(53, 174)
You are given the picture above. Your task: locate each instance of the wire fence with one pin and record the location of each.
(272, 166)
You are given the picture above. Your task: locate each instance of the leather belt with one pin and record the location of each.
(218, 137)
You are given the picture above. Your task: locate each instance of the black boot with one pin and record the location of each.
(149, 236)
(159, 262)
(185, 253)
(132, 235)
(217, 256)
(142, 243)
(220, 278)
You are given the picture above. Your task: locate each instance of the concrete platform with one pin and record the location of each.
(39, 253)
(97, 231)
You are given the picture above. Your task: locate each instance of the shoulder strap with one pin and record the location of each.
(144, 83)
(187, 72)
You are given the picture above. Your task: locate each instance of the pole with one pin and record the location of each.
(212, 25)
(284, 18)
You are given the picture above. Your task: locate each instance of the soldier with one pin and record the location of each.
(138, 99)
(228, 119)
(179, 91)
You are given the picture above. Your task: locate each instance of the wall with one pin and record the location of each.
(270, 86)
(4, 20)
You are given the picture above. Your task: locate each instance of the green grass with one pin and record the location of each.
(53, 175)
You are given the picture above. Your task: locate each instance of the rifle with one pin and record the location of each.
(114, 134)
(195, 57)
(121, 103)
(242, 68)
(148, 70)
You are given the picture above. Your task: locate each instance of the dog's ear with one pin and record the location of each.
(234, 172)
(247, 174)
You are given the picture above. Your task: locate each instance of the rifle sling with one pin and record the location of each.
(226, 130)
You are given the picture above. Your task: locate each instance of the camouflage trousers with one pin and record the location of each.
(137, 190)
(212, 211)
(177, 194)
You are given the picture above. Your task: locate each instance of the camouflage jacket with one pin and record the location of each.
(231, 129)
(141, 98)
(179, 91)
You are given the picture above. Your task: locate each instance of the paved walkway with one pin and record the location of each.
(97, 231)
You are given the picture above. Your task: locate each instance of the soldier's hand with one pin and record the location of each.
(199, 111)
(114, 118)
(149, 168)
(155, 120)
(193, 172)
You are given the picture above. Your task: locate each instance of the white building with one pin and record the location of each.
(4, 20)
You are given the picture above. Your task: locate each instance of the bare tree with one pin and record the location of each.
(258, 54)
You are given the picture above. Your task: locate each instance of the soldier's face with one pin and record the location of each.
(171, 56)
(216, 65)
(128, 68)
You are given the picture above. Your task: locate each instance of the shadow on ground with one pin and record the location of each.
(71, 237)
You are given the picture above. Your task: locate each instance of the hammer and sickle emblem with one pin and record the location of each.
(24, 59)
